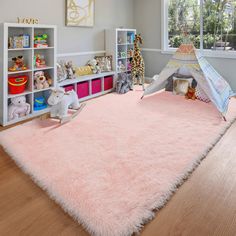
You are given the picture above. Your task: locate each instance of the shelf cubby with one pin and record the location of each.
(28, 100)
(38, 95)
(27, 57)
(29, 84)
(49, 32)
(17, 31)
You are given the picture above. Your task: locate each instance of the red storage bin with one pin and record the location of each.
(69, 88)
(83, 89)
(17, 84)
(96, 86)
(108, 83)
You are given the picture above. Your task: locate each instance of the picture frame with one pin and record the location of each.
(105, 63)
(80, 13)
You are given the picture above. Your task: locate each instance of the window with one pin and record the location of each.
(211, 24)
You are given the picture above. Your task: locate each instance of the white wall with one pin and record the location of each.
(147, 20)
(108, 14)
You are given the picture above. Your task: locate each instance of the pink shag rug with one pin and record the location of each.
(120, 159)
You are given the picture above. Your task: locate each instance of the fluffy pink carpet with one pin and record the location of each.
(120, 158)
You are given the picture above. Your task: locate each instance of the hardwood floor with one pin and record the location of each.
(205, 205)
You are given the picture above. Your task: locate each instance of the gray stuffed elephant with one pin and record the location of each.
(124, 83)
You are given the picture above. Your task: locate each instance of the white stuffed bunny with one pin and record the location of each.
(18, 108)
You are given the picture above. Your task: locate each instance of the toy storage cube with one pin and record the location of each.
(108, 83)
(96, 86)
(83, 89)
(69, 88)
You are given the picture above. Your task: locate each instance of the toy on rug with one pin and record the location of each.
(94, 66)
(124, 83)
(70, 70)
(138, 65)
(190, 94)
(18, 108)
(40, 103)
(40, 80)
(39, 61)
(61, 102)
(18, 64)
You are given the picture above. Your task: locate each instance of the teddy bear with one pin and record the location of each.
(40, 80)
(18, 108)
(190, 94)
(94, 66)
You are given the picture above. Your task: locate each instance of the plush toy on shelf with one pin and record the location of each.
(70, 70)
(94, 66)
(18, 108)
(121, 67)
(61, 71)
(39, 61)
(18, 64)
(40, 80)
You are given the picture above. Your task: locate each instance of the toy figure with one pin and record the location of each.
(39, 61)
(18, 64)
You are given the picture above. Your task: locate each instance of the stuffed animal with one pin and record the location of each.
(18, 108)
(124, 83)
(94, 66)
(69, 70)
(190, 94)
(61, 101)
(18, 64)
(40, 80)
(61, 72)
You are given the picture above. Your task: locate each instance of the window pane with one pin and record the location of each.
(183, 15)
(219, 17)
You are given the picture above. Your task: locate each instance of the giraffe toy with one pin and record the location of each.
(137, 63)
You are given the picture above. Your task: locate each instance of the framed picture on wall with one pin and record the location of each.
(80, 13)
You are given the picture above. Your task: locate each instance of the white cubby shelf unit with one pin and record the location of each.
(49, 53)
(119, 43)
(90, 86)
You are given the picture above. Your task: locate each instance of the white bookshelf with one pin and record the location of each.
(13, 29)
(119, 41)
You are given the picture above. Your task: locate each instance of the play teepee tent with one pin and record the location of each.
(188, 59)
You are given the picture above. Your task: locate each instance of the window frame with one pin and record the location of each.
(205, 52)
